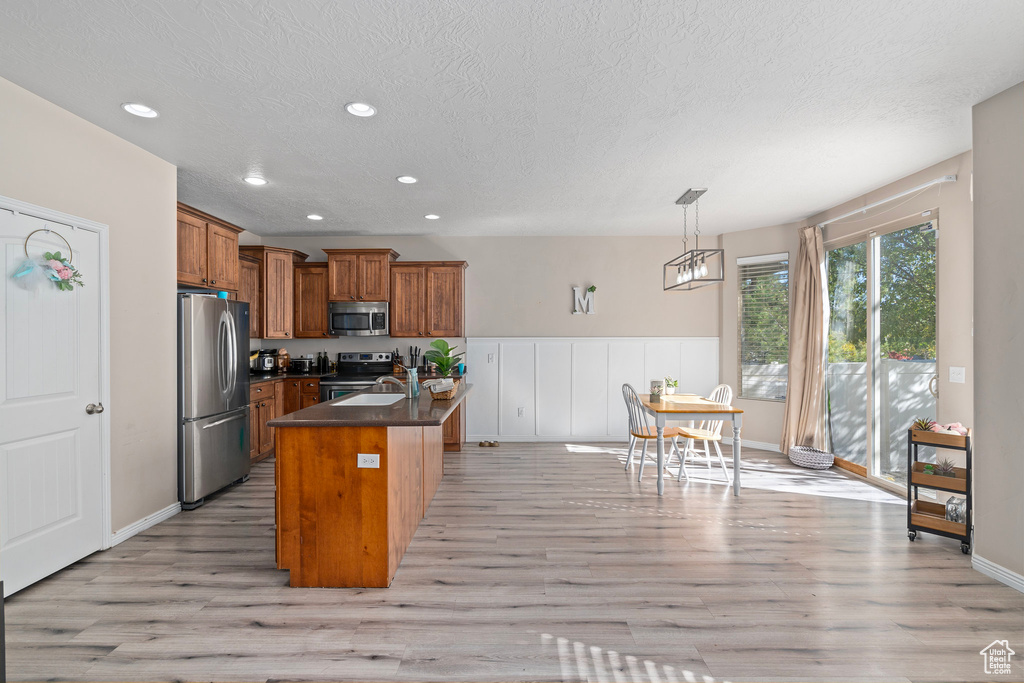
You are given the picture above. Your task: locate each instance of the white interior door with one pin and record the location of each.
(52, 497)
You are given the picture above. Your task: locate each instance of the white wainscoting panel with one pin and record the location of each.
(571, 388)
(517, 385)
(482, 409)
(590, 388)
(625, 366)
(554, 388)
(698, 365)
(661, 360)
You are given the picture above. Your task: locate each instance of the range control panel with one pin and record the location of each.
(366, 357)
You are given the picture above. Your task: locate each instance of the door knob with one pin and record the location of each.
(94, 408)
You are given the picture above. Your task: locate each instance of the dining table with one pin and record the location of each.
(692, 407)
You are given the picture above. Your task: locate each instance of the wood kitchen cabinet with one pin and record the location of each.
(428, 299)
(311, 300)
(300, 392)
(263, 407)
(249, 290)
(207, 250)
(359, 274)
(276, 289)
(453, 430)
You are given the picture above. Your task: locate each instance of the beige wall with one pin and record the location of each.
(999, 321)
(522, 286)
(762, 420)
(954, 267)
(955, 286)
(54, 159)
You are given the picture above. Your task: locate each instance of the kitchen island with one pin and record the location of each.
(353, 482)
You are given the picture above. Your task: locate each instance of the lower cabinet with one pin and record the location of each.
(453, 430)
(264, 405)
(300, 393)
(310, 393)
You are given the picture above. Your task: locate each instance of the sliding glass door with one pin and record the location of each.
(882, 359)
(848, 415)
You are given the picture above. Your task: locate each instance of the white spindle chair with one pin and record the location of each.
(706, 431)
(640, 429)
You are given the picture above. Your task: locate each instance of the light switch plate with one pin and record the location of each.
(957, 375)
(369, 460)
(490, 358)
(522, 412)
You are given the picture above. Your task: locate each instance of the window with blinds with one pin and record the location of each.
(764, 326)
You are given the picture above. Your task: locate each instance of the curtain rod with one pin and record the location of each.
(865, 209)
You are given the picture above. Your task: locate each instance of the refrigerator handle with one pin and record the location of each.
(232, 352)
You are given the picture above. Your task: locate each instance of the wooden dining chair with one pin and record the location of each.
(639, 429)
(706, 431)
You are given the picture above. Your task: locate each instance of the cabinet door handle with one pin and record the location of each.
(360, 298)
(204, 279)
(259, 390)
(351, 297)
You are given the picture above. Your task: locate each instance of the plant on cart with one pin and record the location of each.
(945, 468)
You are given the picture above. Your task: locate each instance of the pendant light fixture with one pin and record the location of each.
(694, 267)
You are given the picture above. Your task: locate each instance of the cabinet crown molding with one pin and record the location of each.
(202, 215)
(259, 250)
(390, 252)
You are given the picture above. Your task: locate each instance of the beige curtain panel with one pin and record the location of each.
(804, 421)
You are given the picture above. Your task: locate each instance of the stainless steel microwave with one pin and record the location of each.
(357, 319)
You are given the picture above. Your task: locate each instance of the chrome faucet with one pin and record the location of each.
(411, 386)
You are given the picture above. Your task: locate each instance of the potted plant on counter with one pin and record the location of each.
(671, 385)
(441, 355)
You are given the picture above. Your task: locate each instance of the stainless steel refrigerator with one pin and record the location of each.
(213, 395)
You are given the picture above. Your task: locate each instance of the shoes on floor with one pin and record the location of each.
(489, 443)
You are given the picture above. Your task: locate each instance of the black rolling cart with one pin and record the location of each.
(931, 517)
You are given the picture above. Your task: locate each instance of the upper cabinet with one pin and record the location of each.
(275, 299)
(359, 274)
(428, 299)
(311, 300)
(250, 279)
(207, 250)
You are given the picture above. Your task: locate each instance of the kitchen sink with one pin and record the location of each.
(370, 400)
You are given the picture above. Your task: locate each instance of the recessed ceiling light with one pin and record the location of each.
(255, 180)
(407, 179)
(431, 216)
(315, 217)
(360, 109)
(140, 110)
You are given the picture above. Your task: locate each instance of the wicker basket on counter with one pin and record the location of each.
(445, 395)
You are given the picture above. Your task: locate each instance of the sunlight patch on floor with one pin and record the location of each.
(760, 474)
(582, 663)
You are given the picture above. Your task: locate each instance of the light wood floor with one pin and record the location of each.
(540, 562)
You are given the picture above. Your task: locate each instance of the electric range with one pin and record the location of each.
(355, 371)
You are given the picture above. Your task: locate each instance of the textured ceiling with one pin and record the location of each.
(523, 116)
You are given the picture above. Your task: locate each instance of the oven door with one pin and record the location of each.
(330, 391)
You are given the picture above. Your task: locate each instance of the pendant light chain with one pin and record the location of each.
(696, 224)
(684, 229)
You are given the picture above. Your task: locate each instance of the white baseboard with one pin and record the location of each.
(999, 573)
(532, 438)
(122, 535)
(760, 445)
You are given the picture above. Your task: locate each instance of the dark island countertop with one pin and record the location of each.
(422, 411)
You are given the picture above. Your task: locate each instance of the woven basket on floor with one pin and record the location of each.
(811, 458)
(445, 395)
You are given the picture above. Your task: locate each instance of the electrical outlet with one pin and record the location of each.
(957, 375)
(369, 460)
(490, 358)
(522, 412)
